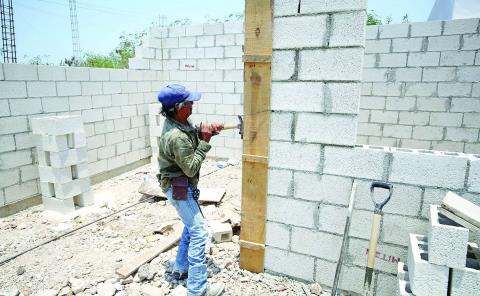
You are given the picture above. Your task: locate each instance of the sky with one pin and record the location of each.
(43, 29)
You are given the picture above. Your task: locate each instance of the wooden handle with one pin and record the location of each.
(227, 127)
(372, 246)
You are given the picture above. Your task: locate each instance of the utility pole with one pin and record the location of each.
(9, 49)
(75, 34)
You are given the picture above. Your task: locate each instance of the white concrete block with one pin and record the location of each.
(442, 43)
(11, 125)
(400, 103)
(457, 58)
(425, 278)
(221, 232)
(383, 116)
(361, 162)
(58, 205)
(432, 104)
(233, 27)
(55, 104)
(57, 125)
(284, 94)
(348, 29)
(291, 211)
(378, 46)
(428, 169)
(331, 64)
(419, 118)
(439, 74)
(313, 6)
(427, 89)
(25, 106)
(462, 134)
(474, 174)
(446, 119)
(375, 74)
(464, 104)
(12, 89)
(225, 40)
(342, 97)
(426, 29)
(343, 133)
(465, 281)
(283, 65)
(392, 60)
(418, 59)
(80, 103)
(112, 87)
(295, 156)
(394, 31)
(403, 280)
(214, 52)
(62, 159)
(7, 143)
(97, 74)
(20, 72)
(84, 199)
(322, 188)
(138, 63)
(332, 218)
(407, 44)
(305, 241)
(233, 51)
(277, 235)
(408, 74)
(369, 129)
(51, 73)
(471, 42)
(289, 263)
(77, 73)
(281, 126)
(280, 182)
(213, 29)
(298, 32)
(65, 190)
(205, 41)
(454, 89)
(469, 74)
(397, 131)
(447, 241)
(225, 64)
(371, 32)
(37, 89)
(461, 26)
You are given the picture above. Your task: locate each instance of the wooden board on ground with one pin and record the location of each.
(214, 195)
(462, 208)
(134, 264)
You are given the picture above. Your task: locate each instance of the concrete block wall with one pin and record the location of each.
(112, 103)
(313, 159)
(421, 86)
(205, 58)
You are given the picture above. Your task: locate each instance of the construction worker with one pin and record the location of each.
(182, 149)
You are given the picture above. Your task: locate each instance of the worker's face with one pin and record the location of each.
(184, 110)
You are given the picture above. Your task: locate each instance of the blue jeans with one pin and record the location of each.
(191, 249)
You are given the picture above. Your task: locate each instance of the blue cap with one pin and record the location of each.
(176, 93)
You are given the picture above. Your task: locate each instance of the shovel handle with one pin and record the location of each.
(379, 205)
(372, 246)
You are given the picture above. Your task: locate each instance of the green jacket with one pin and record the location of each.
(181, 152)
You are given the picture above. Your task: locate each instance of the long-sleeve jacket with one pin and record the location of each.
(181, 152)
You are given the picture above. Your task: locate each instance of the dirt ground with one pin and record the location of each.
(84, 262)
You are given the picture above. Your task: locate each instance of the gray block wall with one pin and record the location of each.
(205, 58)
(313, 159)
(112, 103)
(421, 86)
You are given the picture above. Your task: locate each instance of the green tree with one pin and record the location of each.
(373, 18)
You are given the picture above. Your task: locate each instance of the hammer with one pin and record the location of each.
(239, 126)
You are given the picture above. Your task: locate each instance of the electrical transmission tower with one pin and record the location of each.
(75, 34)
(9, 49)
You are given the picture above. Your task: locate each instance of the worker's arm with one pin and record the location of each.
(188, 159)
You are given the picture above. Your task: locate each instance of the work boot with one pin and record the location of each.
(214, 289)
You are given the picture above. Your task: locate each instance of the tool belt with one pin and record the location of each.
(180, 188)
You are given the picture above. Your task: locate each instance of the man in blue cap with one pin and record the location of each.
(182, 149)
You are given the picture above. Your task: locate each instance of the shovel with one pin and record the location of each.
(372, 247)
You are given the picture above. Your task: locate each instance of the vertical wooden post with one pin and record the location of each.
(257, 79)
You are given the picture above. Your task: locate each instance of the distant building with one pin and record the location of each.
(454, 9)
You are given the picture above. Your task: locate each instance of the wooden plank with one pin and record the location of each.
(257, 81)
(458, 219)
(134, 264)
(462, 208)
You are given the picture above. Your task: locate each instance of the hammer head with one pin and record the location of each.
(240, 126)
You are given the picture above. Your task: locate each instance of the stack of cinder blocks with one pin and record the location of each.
(156, 121)
(442, 262)
(62, 162)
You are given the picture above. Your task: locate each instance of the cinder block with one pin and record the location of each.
(432, 104)
(332, 218)
(375, 74)
(20, 72)
(371, 32)
(138, 63)
(322, 188)
(369, 61)
(225, 64)
(348, 29)
(112, 87)
(397, 131)
(291, 211)
(425, 278)
(378, 46)
(419, 59)
(233, 27)
(55, 104)
(464, 104)
(369, 102)
(337, 129)
(51, 73)
(213, 29)
(57, 125)
(80, 103)
(205, 41)
(403, 280)
(462, 134)
(474, 174)
(225, 40)
(400, 103)
(97, 74)
(456, 58)
(427, 89)
(471, 42)
(37, 89)
(465, 281)
(84, 199)
(468, 74)
(426, 28)
(416, 118)
(387, 89)
(313, 6)
(446, 119)
(13, 159)
(62, 175)
(365, 162)
(394, 31)
(441, 43)
(77, 73)
(447, 241)
(65, 190)
(284, 92)
(369, 129)
(277, 235)
(194, 30)
(439, 74)
(13, 89)
(331, 64)
(408, 74)
(428, 169)
(222, 232)
(407, 44)
(460, 26)
(305, 241)
(62, 159)
(214, 52)
(112, 113)
(283, 65)
(342, 97)
(306, 156)
(289, 263)
(64, 206)
(454, 89)
(25, 106)
(383, 116)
